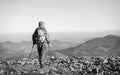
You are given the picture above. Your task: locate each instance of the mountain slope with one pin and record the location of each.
(12, 49)
(103, 46)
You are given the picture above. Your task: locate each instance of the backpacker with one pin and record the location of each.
(41, 35)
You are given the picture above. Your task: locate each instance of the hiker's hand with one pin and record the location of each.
(33, 42)
(48, 42)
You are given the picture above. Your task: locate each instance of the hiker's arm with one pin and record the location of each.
(34, 36)
(47, 36)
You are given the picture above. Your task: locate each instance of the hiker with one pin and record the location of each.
(40, 37)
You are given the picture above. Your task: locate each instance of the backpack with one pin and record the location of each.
(40, 36)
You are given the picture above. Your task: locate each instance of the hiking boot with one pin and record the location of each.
(41, 66)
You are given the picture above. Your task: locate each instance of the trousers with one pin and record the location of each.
(41, 51)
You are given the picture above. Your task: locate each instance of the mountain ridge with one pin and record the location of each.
(12, 49)
(103, 46)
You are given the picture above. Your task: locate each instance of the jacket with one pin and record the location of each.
(35, 35)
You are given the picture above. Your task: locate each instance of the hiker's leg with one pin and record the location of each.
(43, 51)
(39, 46)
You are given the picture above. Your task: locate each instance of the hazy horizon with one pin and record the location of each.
(62, 36)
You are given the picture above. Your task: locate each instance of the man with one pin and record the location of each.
(40, 37)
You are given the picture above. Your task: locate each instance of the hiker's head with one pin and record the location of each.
(41, 24)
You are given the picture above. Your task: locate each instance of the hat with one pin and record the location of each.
(41, 23)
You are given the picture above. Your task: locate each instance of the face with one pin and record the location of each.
(41, 24)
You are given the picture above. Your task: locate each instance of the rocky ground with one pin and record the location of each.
(62, 66)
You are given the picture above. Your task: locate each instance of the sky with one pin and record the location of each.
(22, 16)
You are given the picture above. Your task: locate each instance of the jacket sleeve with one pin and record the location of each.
(34, 36)
(46, 35)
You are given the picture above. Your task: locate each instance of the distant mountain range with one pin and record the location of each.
(102, 46)
(16, 49)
